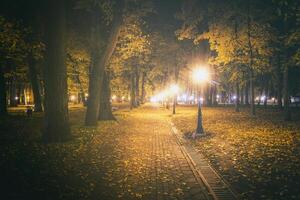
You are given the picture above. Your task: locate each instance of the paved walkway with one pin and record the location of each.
(142, 160)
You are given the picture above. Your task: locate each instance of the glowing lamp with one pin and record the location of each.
(200, 75)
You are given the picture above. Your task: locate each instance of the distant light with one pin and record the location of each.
(86, 94)
(218, 96)
(154, 99)
(174, 88)
(72, 97)
(234, 97)
(16, 98)
(257, 98)
(273, 99)
(200, 74)
(123, 98)
(263, 98)
(114, 97)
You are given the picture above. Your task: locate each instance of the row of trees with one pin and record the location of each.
(85, 48)
(252, 45)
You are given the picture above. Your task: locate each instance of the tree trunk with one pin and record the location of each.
(249, 26)
(287, 111)
(35, 85)
(3, 106)
(247, 94)
(242, 96)
(99, 63)
(57, 127)
(279, 83)
(12, 93)
(266, 96)
(105, 112)
(214, 95)
(143, 87)
(252, 93)
(237, 100)
(132, 91)
(137, 86)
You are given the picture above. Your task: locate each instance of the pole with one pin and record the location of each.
(174, 104)
(199, 130)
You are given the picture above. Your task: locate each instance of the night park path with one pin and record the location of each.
(140, 158)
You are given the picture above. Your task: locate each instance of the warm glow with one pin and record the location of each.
(114, 97)
(72, 97)
(200, 75)
(174, 88)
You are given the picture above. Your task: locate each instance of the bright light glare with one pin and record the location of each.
(200, 74)
(158, 97)
(234, 97)
(263, 98)
(154, 99)
(174, 88)
(114, 97)
(72, 97)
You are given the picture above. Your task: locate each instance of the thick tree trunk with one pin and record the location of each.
(287, 110)
(3, 106)
(33, 77)
(237, 100)
(99, 63)
(105, 111)
(57, 127)
(143, 87)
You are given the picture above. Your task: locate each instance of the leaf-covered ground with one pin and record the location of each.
(259, 156)
(134, 158)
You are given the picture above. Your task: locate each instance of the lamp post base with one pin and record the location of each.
(198, 135)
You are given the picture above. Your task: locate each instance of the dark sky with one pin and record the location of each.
(163, 19)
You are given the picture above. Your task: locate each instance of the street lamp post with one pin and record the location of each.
(200, 75)
(199, 129)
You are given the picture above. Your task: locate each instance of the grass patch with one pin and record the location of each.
(259, 156)
(33, 170)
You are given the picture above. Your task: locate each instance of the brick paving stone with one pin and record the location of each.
(147, 162)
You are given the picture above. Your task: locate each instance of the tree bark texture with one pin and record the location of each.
(33, 77)
(105, 112)
(98, 65)
(57, 127)
(237, 100)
